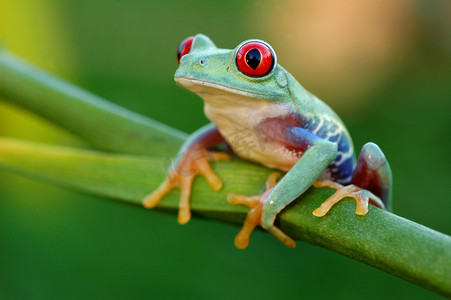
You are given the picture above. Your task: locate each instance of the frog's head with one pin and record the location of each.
(248, 71)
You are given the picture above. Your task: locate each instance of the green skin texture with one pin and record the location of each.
(206, 63)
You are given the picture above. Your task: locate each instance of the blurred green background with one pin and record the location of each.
(384, 66)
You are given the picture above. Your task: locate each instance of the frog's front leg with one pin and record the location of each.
(318, 154)
(192, 159)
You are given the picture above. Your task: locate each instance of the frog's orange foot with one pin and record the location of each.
(183, 175)
(362, 197)
(254, 216)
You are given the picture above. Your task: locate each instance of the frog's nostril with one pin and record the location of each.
(202, 62)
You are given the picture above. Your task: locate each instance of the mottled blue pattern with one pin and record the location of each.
(342, 168)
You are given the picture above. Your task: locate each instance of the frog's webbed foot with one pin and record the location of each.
(362, 197)
(254, 215)
(193, 163)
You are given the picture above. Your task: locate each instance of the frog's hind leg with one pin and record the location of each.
(373, 173)
(371, 183)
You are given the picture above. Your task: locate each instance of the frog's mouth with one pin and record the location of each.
(206, 87)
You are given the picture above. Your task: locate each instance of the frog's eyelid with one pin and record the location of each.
(202, 41)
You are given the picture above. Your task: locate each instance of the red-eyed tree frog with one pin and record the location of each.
(264, 115)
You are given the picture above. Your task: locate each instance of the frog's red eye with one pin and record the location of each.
(255, 59)
(184, 47)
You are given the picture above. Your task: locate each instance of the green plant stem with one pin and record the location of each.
(381, 239)
(100, 122)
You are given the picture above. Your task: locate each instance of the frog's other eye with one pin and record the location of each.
(255, 58)
(184, 48)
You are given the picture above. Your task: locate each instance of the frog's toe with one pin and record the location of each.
(184, 214)
(327, 183)
(202, 165)
(362, 197)
(250, 201)
(254, 216)
(154, 198)
(204, 168)
(252, 220)
(215, 156)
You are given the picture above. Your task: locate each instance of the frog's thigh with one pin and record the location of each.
(373, 173)
(311, 164)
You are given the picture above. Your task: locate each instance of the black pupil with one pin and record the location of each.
(253, 58)
(180, 50)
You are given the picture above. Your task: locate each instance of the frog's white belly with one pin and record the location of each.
(237, 114)
(237, 120)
